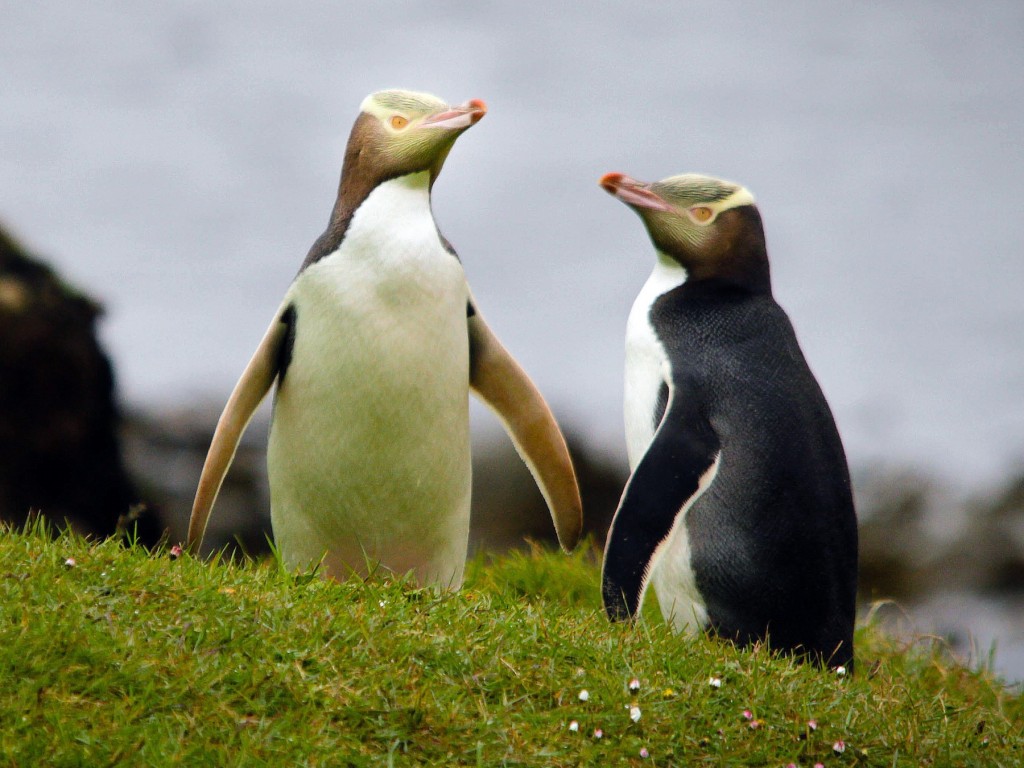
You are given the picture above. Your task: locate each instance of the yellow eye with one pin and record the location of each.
(702, 214)
(398, 122)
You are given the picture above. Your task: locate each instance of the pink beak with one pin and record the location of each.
(632, 192)
(462, 116)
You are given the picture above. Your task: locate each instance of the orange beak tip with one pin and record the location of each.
(610, 181)
(477, 109)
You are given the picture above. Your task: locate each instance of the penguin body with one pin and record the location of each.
(380, 337)
(374, 350)
(738, 509)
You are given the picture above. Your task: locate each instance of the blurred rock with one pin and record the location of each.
(508, 507)
(917, 539)
(165, 453)
(989, 556)
(892, 507)
(59, 449)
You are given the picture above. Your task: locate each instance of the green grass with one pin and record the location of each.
(135, 658)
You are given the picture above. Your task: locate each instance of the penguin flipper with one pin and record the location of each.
(499, 381)
(248, 393)
(678, 465)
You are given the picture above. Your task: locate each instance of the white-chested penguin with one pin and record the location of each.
(739, 508)
(374, 350)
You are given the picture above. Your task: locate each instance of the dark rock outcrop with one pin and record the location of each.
(59, 449)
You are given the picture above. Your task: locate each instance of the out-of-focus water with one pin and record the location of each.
(178, 159)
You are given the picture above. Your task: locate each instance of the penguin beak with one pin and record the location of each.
(458, 118)
(634, 193)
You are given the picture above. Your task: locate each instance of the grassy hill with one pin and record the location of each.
(112, 655)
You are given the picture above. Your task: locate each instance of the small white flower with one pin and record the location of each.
(382, 603)
(634, 685)
(841, 671)
(644, 753)
(598, 733)
(70, 562)
(574, 726)
(584, 694)
(715, 682)
(839, 747)
(634, 713)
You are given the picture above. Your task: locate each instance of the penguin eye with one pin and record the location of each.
(701, 214)
(398, 122)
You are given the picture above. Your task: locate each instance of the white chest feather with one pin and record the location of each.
(647, 365)
(369, 446)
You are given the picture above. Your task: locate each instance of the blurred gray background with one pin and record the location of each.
(177, 159)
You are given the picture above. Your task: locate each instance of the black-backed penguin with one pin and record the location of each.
(738, 508)
(374, 350)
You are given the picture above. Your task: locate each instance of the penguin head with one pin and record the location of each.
(402, 132)
(710, 226)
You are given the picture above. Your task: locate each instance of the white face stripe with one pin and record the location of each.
(371, 107)
(692, 190)
(741, 197)
(426, 103)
